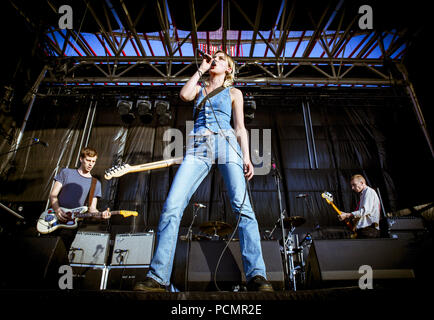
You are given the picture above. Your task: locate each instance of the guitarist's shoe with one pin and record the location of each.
(259, 283)
(149, 285)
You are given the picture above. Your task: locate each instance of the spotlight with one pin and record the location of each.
(249, 109)
(144, 109)
(162, 109)
(125, 110)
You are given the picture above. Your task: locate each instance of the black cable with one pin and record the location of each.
(246, 180)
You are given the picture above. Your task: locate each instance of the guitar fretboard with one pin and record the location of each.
(92, 214)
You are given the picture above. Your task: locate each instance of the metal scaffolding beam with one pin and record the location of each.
(92, 69)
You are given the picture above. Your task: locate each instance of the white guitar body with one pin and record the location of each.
(48, 221)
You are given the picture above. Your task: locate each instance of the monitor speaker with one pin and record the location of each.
(343, 262)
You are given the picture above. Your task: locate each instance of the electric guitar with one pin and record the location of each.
(48, 221)
(120, 170)
(329, 198)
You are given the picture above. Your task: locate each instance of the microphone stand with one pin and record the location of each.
(189, 239)
(19, 148)
(277, 178)
(11, 211)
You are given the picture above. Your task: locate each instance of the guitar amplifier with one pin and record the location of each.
(89, 248)
(133, 249)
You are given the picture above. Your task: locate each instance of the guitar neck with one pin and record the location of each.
(93, 214)
(336, 208)
(155, 165)
(348, 223)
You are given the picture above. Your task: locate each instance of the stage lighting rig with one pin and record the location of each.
(144, 109)
(125, 110)
(162, 109)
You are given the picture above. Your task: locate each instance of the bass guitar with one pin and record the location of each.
(48, 221)
(329, 198)
(120, 170)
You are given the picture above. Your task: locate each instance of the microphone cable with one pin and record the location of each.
(247, 189)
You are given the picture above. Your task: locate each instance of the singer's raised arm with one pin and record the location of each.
(191, 88)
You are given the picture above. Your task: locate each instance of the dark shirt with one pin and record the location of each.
(75, 188)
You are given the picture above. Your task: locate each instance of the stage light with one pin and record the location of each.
(162, 108)
(125, 110)
(249, 109)
(144, 109)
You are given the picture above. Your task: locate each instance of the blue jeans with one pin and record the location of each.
(202, 152)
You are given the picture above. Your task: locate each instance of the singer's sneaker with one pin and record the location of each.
(149, 285)
(259, 283)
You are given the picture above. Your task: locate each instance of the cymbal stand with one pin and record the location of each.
(270, 234)
(11, 211)
(277, 178)
(290, 249)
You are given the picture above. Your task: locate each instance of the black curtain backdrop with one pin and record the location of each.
(378, 139)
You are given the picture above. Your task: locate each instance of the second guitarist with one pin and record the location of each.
(73, 188)
(367, 213)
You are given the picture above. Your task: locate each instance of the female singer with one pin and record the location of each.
(211, 140)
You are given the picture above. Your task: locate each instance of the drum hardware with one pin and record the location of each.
(291, 248)
(215, 229)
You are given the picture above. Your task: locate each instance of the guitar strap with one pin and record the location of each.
(91, 191)
(205, 99)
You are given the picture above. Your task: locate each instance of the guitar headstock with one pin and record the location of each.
(126, 213)
(117, 171)
(327, 195)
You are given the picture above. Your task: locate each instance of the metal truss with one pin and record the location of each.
(276, 66)
(260, 71)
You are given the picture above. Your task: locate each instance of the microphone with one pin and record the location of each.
(274, 169)
(36, 140)
(207, 57)
(302, 195)
(200, 205)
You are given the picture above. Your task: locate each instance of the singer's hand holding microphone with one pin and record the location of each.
(207, 61)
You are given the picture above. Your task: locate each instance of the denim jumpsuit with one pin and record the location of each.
(219, 146)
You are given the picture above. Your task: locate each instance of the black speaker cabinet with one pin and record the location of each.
(337, 262)
(125, 277)
(88, 277)
(202, 261)
(31, 262)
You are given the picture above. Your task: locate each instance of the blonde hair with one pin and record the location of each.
(230, 76)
